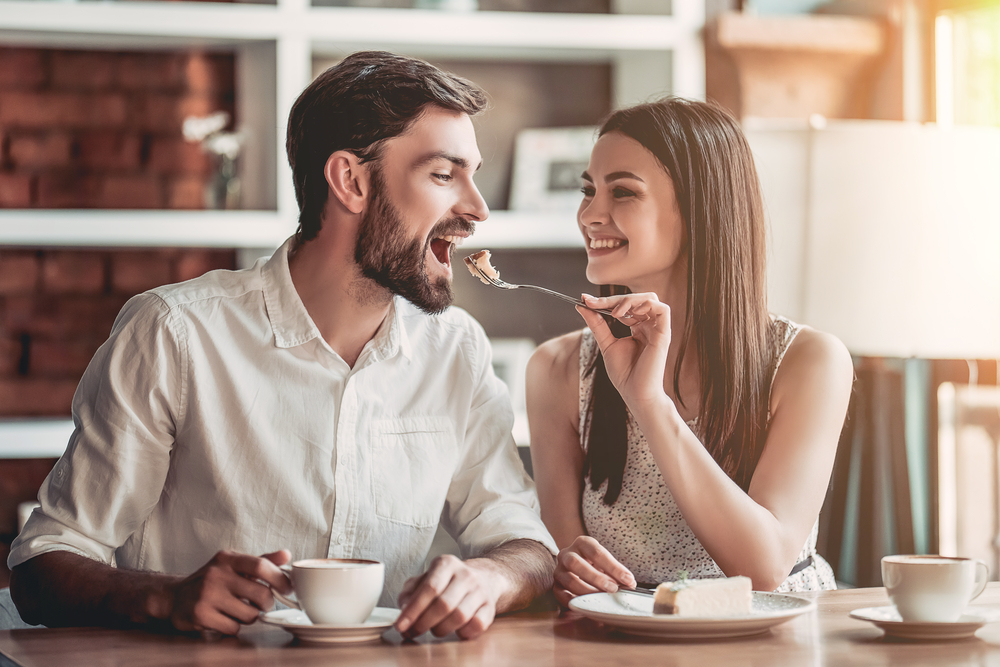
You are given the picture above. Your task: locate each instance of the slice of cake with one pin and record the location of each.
(704, 597)
(481, 260)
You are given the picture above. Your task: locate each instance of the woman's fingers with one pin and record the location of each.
(587, 567)
(574, 585)
(580, 577)
(595, 554)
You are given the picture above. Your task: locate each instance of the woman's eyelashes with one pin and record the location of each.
(617, 192)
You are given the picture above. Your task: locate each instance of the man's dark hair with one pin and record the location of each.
(356, 105)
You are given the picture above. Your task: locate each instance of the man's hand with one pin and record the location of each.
(230, 589)
(452, 596)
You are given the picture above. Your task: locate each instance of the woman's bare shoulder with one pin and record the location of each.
(813, 356)
(555, 364)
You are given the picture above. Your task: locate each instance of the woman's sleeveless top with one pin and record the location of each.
(644, 528)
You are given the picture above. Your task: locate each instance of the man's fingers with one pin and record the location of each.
(255, 593)
(434, 582)
(263, 569)
(478, 624)
(445, 605)
(408, 588)
(279, 557)
(238, 610)
(206, 616)
(460, 616)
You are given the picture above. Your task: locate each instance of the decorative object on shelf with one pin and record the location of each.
(794, 66)
(223, 189)
(547, 167)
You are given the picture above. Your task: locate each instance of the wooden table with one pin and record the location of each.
(540, 637)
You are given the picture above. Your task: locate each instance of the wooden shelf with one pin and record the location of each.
(241, 229)
(338, 29)
(275, 45)
(36, 438)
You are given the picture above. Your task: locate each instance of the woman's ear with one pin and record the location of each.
(348, 180)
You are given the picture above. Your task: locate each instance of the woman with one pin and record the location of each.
(703, 443)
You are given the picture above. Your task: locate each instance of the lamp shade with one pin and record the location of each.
(886, 234)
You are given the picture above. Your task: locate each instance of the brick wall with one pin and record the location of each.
(102, 129)
(57, 307)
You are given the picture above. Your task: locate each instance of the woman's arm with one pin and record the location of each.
(552, 396)
(758, 534)
(553, 385)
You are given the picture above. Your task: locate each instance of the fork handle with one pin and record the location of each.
(568, 299)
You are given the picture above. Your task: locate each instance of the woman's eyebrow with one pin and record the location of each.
(615, 175)
(441, 155)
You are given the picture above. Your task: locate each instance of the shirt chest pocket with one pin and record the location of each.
(412, 466)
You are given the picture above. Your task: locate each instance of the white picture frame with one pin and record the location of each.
(548, 163)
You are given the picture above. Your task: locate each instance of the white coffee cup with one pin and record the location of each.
(933, 589)
(335, 591)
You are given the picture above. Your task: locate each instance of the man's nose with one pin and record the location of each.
(473, 205)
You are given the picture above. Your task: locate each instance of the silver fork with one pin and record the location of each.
(496, 282)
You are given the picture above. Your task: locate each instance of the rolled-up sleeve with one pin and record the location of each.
(125, 410)
(491, 499)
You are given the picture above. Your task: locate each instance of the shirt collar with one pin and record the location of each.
(292, 325)
(391, 338)
(289, 318)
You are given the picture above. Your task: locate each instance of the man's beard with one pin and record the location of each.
(396, 262)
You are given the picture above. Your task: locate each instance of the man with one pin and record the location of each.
(322, 404)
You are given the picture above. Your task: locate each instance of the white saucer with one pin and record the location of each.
(888, 619)
(298, 624)
(633, 613)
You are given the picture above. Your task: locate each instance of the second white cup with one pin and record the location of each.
(335, 591)
(933, 589)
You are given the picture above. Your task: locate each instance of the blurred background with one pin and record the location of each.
(141, 143)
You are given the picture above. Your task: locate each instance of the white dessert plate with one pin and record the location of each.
(888, 619)
(633, 613)
(298, 624)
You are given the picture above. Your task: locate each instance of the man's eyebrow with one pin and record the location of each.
(442, 155)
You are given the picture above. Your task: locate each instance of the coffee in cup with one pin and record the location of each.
(933, 589)
(335, 591)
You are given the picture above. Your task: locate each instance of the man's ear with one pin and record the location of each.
(348, 180)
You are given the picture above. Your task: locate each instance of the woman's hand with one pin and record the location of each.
(586, 567)
(637, 364)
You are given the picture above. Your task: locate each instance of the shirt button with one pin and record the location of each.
(342, 539)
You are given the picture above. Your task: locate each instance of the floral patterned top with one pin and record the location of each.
(644, 528)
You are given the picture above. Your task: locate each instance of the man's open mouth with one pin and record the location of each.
(444, 246)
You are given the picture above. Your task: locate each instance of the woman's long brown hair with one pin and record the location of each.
(710, 163)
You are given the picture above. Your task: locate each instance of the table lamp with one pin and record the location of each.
(887, 235)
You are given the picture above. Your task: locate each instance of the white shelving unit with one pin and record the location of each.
(275, 44)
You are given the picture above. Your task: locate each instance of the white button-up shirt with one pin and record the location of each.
(217, 417)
